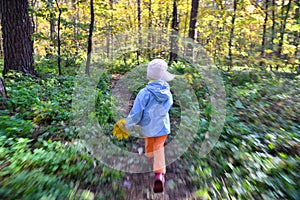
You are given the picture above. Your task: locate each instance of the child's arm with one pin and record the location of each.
(137, 110)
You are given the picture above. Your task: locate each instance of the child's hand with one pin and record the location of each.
(120, 131)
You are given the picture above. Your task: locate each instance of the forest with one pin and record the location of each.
(64, 61)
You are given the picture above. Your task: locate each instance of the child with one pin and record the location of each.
(150, 111)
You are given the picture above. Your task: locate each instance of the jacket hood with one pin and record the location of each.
(160, 90)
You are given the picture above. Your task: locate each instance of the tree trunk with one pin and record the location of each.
(192, 28)
(50, 7)
(1, 42)
(32, 4)
(2, 94)
(2, 89)
(149, 30)
(109, 29)
(17, 43)
(273, 23)
(75, 21)
(174, 35)
(263, 44)
(90, 39)
(193, 19)
(235, 2)
(297, 35)
(186, 22)
(283, 26)
(58, 39)
(139, 14)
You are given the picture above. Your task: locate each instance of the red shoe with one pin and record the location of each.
(159, 181)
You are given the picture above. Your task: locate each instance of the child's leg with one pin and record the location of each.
(159, 154)
(149, 146)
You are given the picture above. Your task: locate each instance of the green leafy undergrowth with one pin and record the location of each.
(51, 169)
(44, 103)
(41, 156)
(257, 155)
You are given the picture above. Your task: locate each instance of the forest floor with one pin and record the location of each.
(140, 185)
(177, 185)
(257, 155)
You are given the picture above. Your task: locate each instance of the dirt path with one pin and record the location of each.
(140, 186)
(177, 186)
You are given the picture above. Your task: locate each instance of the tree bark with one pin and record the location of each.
(2, 94)
(231, 37)
(58, 39)
(17, 42)
(297, 35)
(90, 39)
(186, 22)
(139, 15)
(273, 23)
(75, 21)
(263, 44)
(174, 35)
(283, 26)
(109, 32)
(32, 5)
(193, 19)
(149, 30)
(2, 89)
(50, 7)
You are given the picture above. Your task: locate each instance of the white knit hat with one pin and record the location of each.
(157, 70)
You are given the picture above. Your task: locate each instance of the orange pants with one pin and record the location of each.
(155, 149)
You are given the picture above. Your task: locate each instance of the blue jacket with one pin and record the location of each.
(150, 109)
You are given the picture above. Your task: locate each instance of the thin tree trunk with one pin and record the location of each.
(161, 25)
(58, 39)
(75, 21)
(149, 29)
(273, 23)
(174, 35)
(90, 42)
(52, 31)
(109, 32)
(2, 89)
(139, 15)
(231, 37)
(167, 19)
(52, 20)
(186, 22)
(193, 19)
(283, 26)
(192, 28)
(263, 44)
(1, 40)
(17, 31)
(297, 35)
(2, 94)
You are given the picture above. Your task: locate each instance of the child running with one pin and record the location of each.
(150, 111)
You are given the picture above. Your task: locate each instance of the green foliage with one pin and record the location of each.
(15, 125)
(41, 156)
(257, 155)
(30, 175)
(40, 102)
(124, 64)
(50, 168)
(48, 64)
(33, 185)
